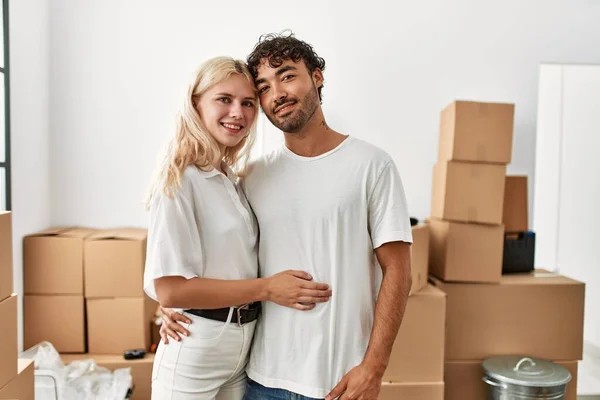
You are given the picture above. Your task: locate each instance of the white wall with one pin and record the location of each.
(567, 189)
(119, 71)
(29, 54)
(580, 189)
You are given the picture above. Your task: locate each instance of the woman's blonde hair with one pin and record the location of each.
(193, 144)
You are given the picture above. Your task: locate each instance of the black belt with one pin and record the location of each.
(241, 315)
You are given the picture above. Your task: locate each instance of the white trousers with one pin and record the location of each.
(210, 364)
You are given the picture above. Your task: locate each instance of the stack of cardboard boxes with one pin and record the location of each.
(53, 307)
(467, 235)
(539, 314)
(84, 294)
(416, 367)
(118, 311)
(16, 376)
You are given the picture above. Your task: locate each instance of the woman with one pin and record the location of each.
(202, 242)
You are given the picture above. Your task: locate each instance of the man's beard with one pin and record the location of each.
(300, 116)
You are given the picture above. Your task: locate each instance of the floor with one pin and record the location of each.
(588, 385)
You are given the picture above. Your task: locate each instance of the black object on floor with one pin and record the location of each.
(519, 252)
(134, 354)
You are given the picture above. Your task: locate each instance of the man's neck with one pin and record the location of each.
(314, 139)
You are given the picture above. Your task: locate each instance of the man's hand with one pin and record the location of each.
(360, 383)
(171, 326)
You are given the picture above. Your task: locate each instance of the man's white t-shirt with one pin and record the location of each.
(324, 215)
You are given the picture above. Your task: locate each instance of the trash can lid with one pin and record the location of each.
(526, 371)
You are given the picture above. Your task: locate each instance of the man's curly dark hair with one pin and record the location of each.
(279, 47)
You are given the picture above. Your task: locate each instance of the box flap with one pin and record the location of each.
(538, 277)
(430, 290)
(119, 234)
(133, 234)
(482, 106)
(56, 231)
(64, 231)
(77, 232)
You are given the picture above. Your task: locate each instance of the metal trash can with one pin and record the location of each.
(524, 378)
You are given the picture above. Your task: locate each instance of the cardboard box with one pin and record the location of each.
(515, 215)
(116, 325)
(412, 391)
(468, 192)
(53, 261)
(155, 325)
(478, 132)
(419, 257)
(22, 387)
(463, 380)
(462, 252)
(418, 352)
(141, 370)
(58, 319)
(6, 260)
(8, 344)
(154, 333)
(538, 314)
(114, 263)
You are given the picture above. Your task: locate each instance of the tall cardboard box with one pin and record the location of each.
(477, 132)
(412, 391)
(21, 387)
(57, 319)
(53, 261)
(119, 324)
(538, 314)
(419, 257)
(515, 215)
(114, 263)
(141, 370)
(8, 343)
(6, 261)
(418, 352)
(463, 380)
(468, 192)
(462, 252)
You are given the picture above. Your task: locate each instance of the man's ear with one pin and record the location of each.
(317, 77)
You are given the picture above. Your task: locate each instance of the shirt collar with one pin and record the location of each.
(214, 172)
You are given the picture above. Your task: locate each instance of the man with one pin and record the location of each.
(334, 206)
